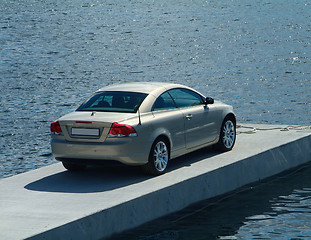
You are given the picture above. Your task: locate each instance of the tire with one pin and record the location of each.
(227, 135)
(73, 167)
(158, 158)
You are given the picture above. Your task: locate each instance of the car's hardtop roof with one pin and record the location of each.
(142, 87)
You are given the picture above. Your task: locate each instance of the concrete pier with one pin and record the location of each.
(51, 203)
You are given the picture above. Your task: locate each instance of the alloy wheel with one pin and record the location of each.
(161, 156)
(228, 134)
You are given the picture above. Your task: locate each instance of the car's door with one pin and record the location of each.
(199, 120)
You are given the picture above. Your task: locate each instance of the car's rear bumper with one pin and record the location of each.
(126, 150)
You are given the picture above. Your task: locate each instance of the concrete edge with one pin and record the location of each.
(157, 204)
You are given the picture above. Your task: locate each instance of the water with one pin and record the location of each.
(254, 55)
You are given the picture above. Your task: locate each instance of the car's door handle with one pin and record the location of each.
(189, 116)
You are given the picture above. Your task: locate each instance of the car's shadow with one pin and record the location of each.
(107, 178)
(190, 158)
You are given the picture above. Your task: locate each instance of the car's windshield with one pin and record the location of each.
(127, 102)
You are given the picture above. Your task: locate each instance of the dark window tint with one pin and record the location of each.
(165, 101)
(113, 102)
(185, 97)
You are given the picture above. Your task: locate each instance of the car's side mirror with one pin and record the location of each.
(209, 100)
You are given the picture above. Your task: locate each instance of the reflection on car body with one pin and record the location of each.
(143, 123)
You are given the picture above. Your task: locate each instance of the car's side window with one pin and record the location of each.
(164, 101)
(186, 97)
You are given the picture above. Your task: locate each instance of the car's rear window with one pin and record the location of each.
(127, 102)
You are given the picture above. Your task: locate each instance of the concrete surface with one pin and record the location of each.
(51, 203)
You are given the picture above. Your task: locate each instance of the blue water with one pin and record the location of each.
(254, 55)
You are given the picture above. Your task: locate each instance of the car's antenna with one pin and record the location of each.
(139, 121)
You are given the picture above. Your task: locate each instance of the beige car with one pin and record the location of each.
(143, 123)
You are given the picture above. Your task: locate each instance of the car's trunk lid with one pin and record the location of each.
(83, 126)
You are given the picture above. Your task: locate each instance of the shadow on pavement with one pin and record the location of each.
(108, 178)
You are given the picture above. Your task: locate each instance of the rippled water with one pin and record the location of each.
(254, 55)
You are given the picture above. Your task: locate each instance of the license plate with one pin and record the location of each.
(85, 131)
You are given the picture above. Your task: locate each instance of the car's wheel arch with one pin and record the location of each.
(161, 133)
(165, 138)
(230, 116)
(220, 144)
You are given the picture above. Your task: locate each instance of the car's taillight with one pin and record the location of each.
(121, 130)
(55, 127)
